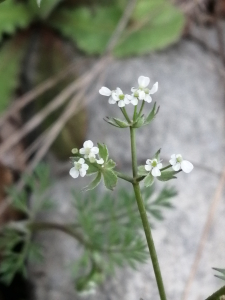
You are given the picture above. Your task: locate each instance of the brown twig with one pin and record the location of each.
(48, 109)
(22, 101)
(121, 25)
(204, 235)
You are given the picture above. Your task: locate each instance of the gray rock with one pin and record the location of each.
(190, 122)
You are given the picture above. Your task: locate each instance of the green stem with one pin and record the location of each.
(133, 152)
(135, 113)
(141, 109)
(144, 218)
(125, 177)
(167, 167)
(125, 114)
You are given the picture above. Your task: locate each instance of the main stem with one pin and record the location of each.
(144, 219)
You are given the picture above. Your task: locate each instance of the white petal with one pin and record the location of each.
(85, 167)
(119, 91)
(82, 151)
(127, 99)
(81, 161)
(186, 166)
(105, 91)
(100, 161)
(159, 166)
(148, 167)
(154, 89)
(74, 172)
(173, 156)
(111, 100)
(94, 150)
(141, 95)
(133, 89)
(134, 101)
(121, 103)
(88, 144)
(176, 167)
(143, 81)
(115, 96)
(156, 172)
(173, 161)
(148, 161)
(82, 172)
(148, 98)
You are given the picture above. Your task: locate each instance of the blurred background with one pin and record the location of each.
(53, 60)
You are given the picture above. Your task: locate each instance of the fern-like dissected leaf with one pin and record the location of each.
(13, 15)
(154, 25)
(11, 54)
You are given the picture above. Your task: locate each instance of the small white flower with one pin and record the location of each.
(100, 161)
(115, 96)
(119, 97)
(143, 93)
(80, 168)
(154, 166)
(88, 150)
(178, 163)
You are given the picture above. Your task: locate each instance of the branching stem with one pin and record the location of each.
(144, 218)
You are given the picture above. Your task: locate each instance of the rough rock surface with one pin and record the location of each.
(191, 122)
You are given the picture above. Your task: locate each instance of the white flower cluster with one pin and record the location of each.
(176, 162)
(140, 93)
(89, 152)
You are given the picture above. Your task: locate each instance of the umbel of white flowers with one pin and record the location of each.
(140, 93)
(153, 166)
(90, 152)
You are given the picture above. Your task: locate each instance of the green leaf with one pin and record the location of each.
(110, 179)
(121, 123)
(103, 152)
(111, 122)
(91, 168)
(139, 122)
(222, 271)
(110, 164)
(149, 179)
(94, 183)
(11, 54)
(151, 115)
(75, 25)
(167, 175)
(155, 25)
(142, 171)
(45, 7)
(13, 15)
(157, 154)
